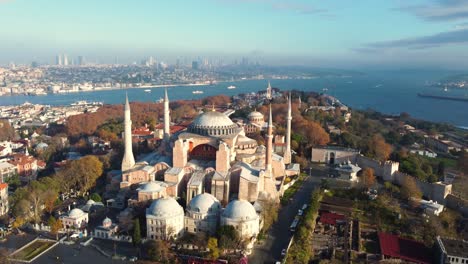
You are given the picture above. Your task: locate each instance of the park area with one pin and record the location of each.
(32, 250)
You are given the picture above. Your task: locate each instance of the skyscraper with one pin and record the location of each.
(65, 60)
(81, 60)
(58, 60)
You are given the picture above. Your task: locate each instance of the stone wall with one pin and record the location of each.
(457, 203)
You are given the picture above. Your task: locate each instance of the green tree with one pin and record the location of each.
(95, 197)
(213, 248)
(228, 238)
(136, 232)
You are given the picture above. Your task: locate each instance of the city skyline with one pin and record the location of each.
(316, 33)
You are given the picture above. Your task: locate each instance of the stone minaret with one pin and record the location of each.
(287, 151)
(128, 160)
(167, 118)
(269, 146)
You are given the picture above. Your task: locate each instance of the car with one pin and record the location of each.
(133, 259)
(283, 252)
(300, 212)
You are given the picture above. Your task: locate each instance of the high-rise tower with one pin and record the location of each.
(287, 151)
(128, 160)
(167, 118)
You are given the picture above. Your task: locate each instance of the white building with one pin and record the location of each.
(431, 207)
(76, 218)
(203, 214)
(7, 170)
(348, 171)
(107, 230)
(3, 199)
(164, 219)
(242, 216)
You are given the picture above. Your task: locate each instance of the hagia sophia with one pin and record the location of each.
(221, 173)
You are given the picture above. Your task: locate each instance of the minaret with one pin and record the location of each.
(269, 92)
(128, 159)
(269, 146)
(167, 118)
(287, 151)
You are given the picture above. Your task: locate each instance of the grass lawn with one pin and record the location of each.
(34, 249)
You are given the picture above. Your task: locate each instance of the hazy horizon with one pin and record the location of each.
(362, 34)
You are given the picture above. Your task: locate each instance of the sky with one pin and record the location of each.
(329, 33)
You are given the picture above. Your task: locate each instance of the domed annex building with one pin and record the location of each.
(164, 219)
(151, 191)
(203, 214)
(76, 218)
(244, 218)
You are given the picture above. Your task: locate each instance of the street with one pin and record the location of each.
(269, 250)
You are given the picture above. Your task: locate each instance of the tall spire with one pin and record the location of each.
(167, 118)
(287, 151)
(269, 92)
(269, 146)
(128, 159)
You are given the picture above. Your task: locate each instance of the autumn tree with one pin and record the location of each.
(313, 132)
(213, 248)
(368, 178)
(80, 174)
(7, 132)
(55, 226)
(378, 148)
(158, 250)
(410, 189)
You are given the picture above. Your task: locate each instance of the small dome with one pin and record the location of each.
(152, 187)
(202, 203)
(75, 213)
(165, 207)
(107, 222)
(255, 114)
(240, 210)
(90, 202)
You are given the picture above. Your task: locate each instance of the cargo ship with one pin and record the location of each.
(444, 97)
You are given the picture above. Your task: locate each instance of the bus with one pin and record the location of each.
(294, 225)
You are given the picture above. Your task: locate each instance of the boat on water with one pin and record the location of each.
(197, 92)
(147, 91)
(443, 97)
(378, 85)
(230, 87)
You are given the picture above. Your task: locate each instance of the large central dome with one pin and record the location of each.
(213, 123)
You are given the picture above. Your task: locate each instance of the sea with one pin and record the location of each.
(390, 92)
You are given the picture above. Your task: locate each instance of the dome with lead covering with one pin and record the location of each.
(204, 203)
(239, 210)
(152, 187)
(165, 208)
(75, 213)
(213, 123)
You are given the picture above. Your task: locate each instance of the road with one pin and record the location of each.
(269, 251)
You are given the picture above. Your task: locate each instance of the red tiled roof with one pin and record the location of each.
(330, 218)
(3, 186)
(403, 248)
(177, 128)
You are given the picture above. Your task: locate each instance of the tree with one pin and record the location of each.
(14, 181)
(50, 197)
(410, 189)
(269, 213)
(378, 148)
(55, 226)
(213, 248)
(7, 132)
(95, 197)
(36, 192)
(228, 237)
(441, 168)
(368, 178)
(91, 170)
(158, 250)
(136, 232)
